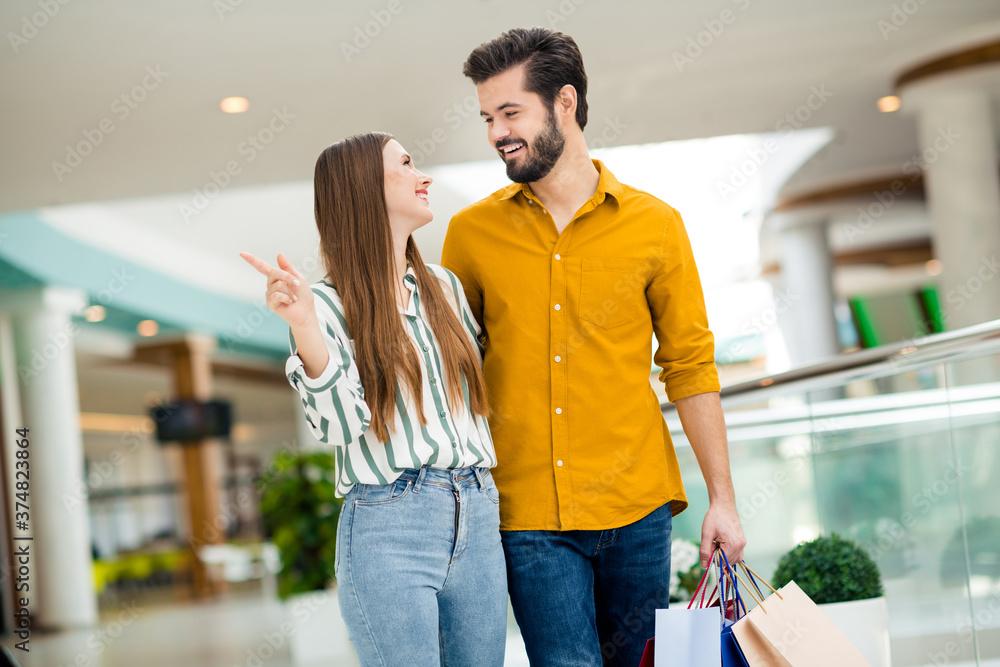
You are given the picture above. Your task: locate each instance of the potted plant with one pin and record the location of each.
(300, 511)
(846, 583)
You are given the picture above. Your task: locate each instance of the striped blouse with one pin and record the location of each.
(335, 408)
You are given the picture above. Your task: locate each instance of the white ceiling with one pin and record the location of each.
(288, 55)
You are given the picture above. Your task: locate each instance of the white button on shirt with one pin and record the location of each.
(337, 414)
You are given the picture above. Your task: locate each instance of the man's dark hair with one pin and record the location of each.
(553, 61)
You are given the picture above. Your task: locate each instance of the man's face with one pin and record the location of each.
(520, 128)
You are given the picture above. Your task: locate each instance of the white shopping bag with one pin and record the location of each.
(688, 638)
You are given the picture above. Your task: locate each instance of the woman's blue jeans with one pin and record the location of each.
(421, 576)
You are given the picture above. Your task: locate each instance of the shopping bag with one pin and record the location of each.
(693, 637)
(647, 653)
(788, 629)
(677, 644)
(732, 656)
(687, 638)
(690, 640)
(734, 610)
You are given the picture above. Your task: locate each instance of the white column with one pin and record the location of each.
(807, 274)
(958, 147)
(62, 596)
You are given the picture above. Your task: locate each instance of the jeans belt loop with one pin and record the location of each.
(480, 477)
(420, 479)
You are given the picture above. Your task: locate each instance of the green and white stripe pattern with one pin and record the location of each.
(334, 402)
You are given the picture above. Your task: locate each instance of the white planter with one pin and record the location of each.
(866, 624)
(316, 631)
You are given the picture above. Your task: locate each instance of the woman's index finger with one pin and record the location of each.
(257, 263)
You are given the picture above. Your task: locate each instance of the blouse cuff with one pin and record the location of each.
(296, 373)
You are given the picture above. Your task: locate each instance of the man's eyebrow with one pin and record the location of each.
(501, 107)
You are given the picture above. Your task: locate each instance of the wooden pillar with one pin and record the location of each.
(190, 361)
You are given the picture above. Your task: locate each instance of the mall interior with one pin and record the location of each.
(836, 167)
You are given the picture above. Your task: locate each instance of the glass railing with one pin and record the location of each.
(897, 447)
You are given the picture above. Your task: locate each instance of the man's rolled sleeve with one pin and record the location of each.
(686, 346)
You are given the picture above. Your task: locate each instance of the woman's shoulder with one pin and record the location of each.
(450, 281)
(323, 283)
(326, 292)
(443, 273)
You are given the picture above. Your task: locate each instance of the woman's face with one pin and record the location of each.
(405, 190)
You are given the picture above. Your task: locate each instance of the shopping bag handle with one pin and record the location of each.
(752, 581)
(702, 583)
(731, 576)
(738, 602)
(760, 600)
(754, 577)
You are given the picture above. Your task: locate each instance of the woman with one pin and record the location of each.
(386, 358)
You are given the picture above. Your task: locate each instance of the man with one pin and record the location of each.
(570, 273)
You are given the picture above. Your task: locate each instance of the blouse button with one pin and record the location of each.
(558, 358)
(558, 306)
(558, 256)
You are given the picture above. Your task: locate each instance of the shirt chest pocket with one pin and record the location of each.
(611, 289)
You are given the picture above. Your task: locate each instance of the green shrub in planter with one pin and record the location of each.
(830, 569)
(300, 511)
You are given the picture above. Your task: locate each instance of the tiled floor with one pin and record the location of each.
(231, 632)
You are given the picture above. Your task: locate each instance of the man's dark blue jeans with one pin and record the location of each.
(588, 598)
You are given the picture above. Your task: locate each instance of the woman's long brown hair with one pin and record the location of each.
(357, 252)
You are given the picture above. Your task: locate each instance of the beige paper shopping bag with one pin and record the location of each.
(788, 630)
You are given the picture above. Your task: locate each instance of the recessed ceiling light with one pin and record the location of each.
(234, 104)
(888, 103)
(147, 328)
(95, 313)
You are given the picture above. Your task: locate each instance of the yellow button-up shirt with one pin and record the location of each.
(568, 320)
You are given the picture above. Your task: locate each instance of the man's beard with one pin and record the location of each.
(545, 152)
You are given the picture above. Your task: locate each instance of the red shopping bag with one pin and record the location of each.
(647, 654)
